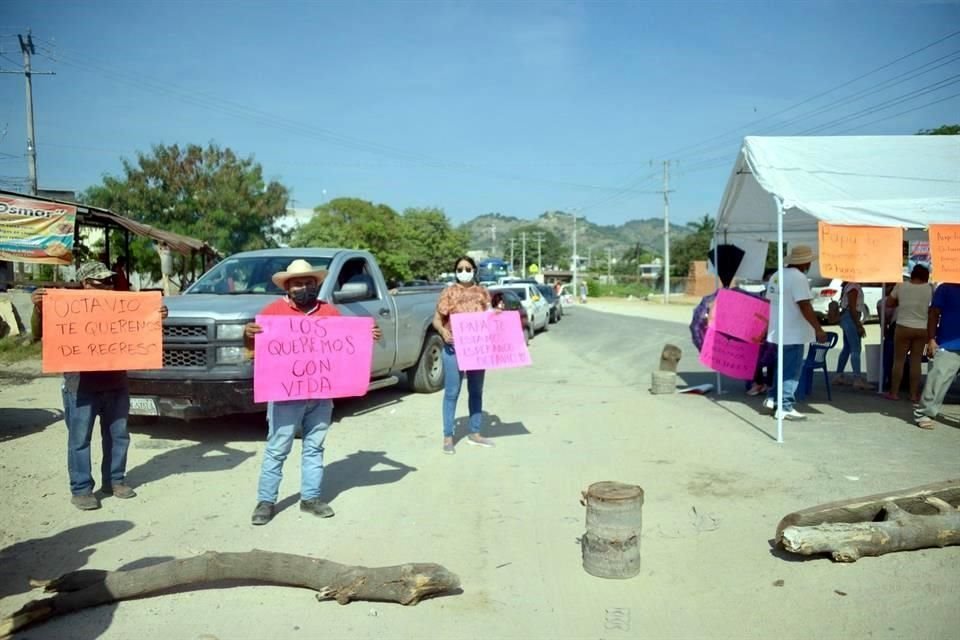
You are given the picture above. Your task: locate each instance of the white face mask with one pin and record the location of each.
(465, 276)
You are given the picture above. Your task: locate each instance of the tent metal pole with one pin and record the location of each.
(883, 325)
(716, 281)
(779, 407)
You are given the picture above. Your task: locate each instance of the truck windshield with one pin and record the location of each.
(248, 275)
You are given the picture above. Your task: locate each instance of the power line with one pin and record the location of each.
(268, 119)
(901, 113)
(679, 153)
(886, 105)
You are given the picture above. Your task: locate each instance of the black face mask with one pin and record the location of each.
(306, 297)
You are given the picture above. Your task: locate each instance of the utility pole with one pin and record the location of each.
(609, 259)
(493, 240)
(26, 47)
(512, 240)
(523, 254)
(666, 232)
(590, 258)
(576, 258)
(539, 235)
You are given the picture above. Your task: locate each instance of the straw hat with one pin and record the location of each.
(800, 254)
(298, 269)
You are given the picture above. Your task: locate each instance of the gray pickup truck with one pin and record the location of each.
(207, 372)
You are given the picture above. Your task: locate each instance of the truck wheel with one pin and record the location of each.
(427, 375)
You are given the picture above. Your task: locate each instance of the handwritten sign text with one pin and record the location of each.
(93, 330)
(489, 340)
(861, 254)
(309, 358)
(945, 252)
(741, 316)
(729, 356)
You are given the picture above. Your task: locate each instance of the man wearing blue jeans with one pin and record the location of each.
(302, 283)
(86, 396)
(800, 326)
(943, 331)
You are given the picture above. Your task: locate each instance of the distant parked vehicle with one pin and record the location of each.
(511, 302)
(827, 290)
(538, 310)
(556, 308)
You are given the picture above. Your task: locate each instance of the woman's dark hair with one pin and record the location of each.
(920, 272)
(467, 259)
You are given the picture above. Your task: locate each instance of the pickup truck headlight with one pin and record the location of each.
(229, 332)
(230, 355)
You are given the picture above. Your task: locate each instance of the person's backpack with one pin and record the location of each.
(833, 312)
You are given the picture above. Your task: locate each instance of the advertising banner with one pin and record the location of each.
(36, 231)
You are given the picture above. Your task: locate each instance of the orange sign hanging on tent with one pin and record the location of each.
(94, 330)
(945, 252)
(861, 254)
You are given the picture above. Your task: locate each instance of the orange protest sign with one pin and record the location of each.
(861, 254)
(945, 252)
(93, 330)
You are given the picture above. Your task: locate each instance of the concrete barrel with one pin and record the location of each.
(611, 543)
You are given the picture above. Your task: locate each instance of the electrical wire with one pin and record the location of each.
(268, 119)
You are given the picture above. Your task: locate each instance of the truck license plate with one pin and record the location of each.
(143, 407)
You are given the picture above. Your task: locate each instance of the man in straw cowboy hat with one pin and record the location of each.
(302, 283)
(800, 325)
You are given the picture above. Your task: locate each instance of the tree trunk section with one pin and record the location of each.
(900, 531)
(869, 508)
(405, 584)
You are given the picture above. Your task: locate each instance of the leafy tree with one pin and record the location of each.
(434, 244)
(695, 246)
(359, 224)
(207, 193)
(942, 130)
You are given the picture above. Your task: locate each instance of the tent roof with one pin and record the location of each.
(894, 181)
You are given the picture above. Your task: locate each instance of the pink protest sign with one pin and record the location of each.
(741, 316)
(489, 340)
(728, 356)
(312, 357)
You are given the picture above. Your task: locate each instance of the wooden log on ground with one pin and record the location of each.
(900, 531)
(868, 508)
(406, 584)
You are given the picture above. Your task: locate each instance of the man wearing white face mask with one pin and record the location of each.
(466, 296)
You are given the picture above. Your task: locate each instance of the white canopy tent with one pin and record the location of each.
(781, 187)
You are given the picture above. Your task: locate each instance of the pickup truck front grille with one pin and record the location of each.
(184, 331)
(184, 357)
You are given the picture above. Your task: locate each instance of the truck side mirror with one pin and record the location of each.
(352, 292)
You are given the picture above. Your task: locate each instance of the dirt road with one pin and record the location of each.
(507, 519)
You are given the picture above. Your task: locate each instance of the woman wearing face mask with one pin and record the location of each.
(465, 296)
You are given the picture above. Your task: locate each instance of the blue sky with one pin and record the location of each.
(474, 107)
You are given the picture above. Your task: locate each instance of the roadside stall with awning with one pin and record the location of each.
(782, 188)
(39, 230)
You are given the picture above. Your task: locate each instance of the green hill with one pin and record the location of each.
(590, 237)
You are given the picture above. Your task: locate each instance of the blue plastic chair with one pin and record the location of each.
(816, 359)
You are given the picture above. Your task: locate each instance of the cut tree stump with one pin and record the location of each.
(899, 531)
(670, 357)
(868, 508)
(406, 584)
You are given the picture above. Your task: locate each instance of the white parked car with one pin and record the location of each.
(538, 309)
(826, 290)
